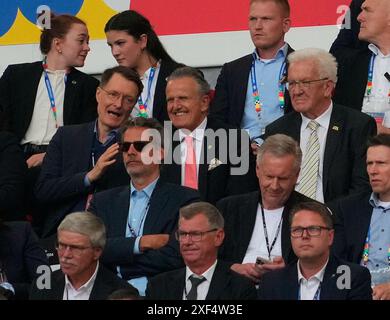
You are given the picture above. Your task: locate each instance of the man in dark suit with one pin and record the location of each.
(332, 137)
(205, 154)
(364, 79)
(200, 234)
(83, 159)
(259, 74)
(81, 240)
(256, 223)
(141, 218)
(318, 275)
(362, 228)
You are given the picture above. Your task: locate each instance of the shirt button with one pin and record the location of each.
(377, 265)
(380, 249)
(383, 230)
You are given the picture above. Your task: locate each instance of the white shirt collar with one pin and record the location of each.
(323, 119)
(374, 49)
(197, 134)
(86, 286)
(208, 274)
(319, 275)
(147, 72)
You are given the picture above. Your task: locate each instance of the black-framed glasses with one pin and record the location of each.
(302, 84)
(128, 101)
(76, 250)
(138, 145)
(312, 231)
(195, 236)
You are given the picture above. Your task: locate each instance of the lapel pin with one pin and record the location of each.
(74, 81)
(335, 128)
(210, 146)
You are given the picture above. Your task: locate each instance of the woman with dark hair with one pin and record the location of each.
(135, 44)
(41, 96)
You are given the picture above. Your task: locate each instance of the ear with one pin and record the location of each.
(97, 252)
(329, 88)
(286, 24)
(257, 170)
(98, 94)
(143, 39)
(331, 237)
(205, 103)
(57, 45)
(219, 237)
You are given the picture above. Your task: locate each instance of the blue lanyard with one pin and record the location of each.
(144, 105)
(255, 91)
(316, 295)
(50, 91)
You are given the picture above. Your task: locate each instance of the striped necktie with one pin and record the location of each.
(310, 166)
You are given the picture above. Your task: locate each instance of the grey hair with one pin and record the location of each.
(280, 145)
(325, 62)
(197, 75)
(87, 224)
(214, 217)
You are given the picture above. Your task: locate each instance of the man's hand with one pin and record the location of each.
(381, 291)
(249, 270)
(254, 147)
(35, 160)
(105, 160)
(381, 129)
(277, 263)
(153, 241)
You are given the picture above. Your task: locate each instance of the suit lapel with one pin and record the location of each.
(31, 93)
(203, 166)
(72, 87)
(159, 94)
(220, 280)
(292, 285)
(122, 202)
(84, 147)
(329, 289)
(242, 86)
(157, 203)
(176, 285)
(365, 214)
(294, 128)
(333, 139)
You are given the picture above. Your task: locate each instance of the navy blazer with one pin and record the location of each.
(230, 92)
(13, 170)
(18, 91)
(61, 182)
(112, 206)
(283, 284)
(106, 283)
(240, 214)
(225, 285)
(353, 218)
(218, 182)
(20, 256)
(344, 166)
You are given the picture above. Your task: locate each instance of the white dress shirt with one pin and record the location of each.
(257, 246)
(203, 288)
(309, 287)
(197, 135)
(82, 293)
(323, 120)
(43, 125)
(144, 94)
(378, 101)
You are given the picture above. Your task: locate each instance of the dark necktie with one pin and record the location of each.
(195, 282)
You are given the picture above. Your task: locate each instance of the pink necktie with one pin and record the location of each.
(190, 178)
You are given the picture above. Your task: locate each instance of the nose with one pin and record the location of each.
(258, 24)
(87, 47)
(305, 234)
(67, 252)
(114, 50)
(274, 184)
(360, 16)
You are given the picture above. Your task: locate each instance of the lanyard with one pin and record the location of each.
(255, 90)
(144, 105)
(132, 230)
(316, 295)
(366, 250)
(371, 77)
(50, 91)
(269, 249)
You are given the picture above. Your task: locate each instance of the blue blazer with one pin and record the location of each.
(112, 206)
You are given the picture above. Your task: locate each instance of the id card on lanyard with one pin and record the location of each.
(143, 105)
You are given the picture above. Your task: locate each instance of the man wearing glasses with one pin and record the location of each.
(80, 242)
(141, 218)
(332, 137)
(200, 234)
(83, 159)
(318, 275)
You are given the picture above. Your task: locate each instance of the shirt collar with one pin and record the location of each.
(282, 53)
(197, 134)
(375, 202)
(146, 75)
(208, 274)
(375, 50)
(111, 135)
(319, 275)
(86, 286)
(323, 119)
(148, 190)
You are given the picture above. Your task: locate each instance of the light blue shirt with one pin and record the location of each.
(379, 234)
(138, 210)
(267, 78)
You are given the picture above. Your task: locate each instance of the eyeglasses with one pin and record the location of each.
(138, 145)
(312, 231)
(302, 84)
(195, 236)
(76, 250)
(128, 101)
